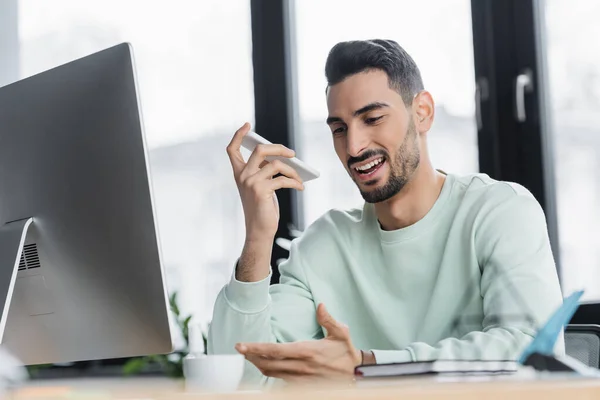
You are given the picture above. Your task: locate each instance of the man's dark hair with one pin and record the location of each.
(349, 58)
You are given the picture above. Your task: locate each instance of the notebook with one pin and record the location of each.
(436, 367)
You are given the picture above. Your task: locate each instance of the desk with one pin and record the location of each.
(559, 387)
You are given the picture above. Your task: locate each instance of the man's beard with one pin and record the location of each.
(404, 165)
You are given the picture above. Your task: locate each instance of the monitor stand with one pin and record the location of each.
(12, 240)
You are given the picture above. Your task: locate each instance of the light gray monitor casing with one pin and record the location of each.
(73, 161)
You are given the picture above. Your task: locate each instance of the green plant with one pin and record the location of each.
(34, 370)
(171, 364)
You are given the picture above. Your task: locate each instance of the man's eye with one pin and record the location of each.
(372, 120)
(339, 130)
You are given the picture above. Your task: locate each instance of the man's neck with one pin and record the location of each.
(414, 201)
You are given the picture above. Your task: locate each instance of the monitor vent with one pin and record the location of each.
(29, 258)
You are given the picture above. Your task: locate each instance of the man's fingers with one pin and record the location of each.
(233, 149)
(262, 151)
(278, 368)
(241, 348)
(333, 327)
(297, 350)
(285, 182)
(293, 370)
(324, 318)
(278, 167)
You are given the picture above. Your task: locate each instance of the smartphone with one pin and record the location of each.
(307, 173)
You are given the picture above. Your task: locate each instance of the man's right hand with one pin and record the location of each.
(257, 185)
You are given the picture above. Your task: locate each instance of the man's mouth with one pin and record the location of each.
(370, 168)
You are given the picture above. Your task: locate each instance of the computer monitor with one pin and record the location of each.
(88, 283)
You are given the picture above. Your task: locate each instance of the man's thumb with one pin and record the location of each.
(333, 327)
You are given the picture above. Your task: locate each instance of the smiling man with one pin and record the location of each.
(434, 265)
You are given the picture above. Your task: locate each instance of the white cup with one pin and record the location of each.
(213, 373)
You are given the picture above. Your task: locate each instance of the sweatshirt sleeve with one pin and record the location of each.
(258, 312)
(519, 285)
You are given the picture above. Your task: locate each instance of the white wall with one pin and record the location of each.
(9, 41)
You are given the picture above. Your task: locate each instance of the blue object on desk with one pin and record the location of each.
(546, 338)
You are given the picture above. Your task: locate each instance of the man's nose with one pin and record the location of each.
(356, 142)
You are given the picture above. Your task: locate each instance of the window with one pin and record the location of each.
(574, 78)
(194, 64)
(436, 33)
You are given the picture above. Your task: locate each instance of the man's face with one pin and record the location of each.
(374, 134)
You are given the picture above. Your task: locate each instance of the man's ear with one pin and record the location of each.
(424, 109)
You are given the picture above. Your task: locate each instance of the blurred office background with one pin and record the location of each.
(206, 67)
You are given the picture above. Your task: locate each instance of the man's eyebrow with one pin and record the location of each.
(370, 107)
(331, 120)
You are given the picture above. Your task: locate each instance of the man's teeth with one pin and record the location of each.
(369, 165)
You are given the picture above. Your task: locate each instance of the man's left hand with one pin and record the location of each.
(332, 357)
